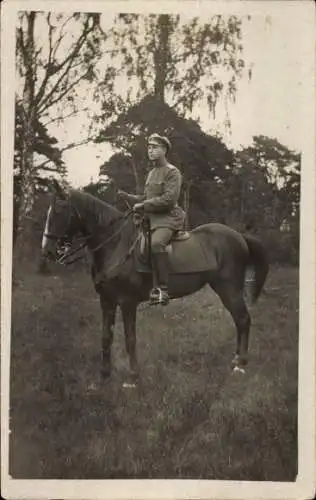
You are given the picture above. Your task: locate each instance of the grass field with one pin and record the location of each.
(190, 417)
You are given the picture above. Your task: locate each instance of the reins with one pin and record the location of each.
(63, 259)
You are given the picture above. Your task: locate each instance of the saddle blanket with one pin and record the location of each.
(190, 255)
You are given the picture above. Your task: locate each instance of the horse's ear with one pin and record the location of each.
(109, 182)
(58, 190)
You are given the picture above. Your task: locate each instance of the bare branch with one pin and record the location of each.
(45, 104)
(50, 38)
(43, 165)
(77, 144)
(60, 38)
(64, 117)
(77, 46)
(68, 62)
(62, 94)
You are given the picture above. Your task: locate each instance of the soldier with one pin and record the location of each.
(160, 204)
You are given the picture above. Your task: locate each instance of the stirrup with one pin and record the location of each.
(158, 296)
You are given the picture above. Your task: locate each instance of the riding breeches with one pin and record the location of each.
(160, 239)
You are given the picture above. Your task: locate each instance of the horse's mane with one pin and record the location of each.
(104, 211)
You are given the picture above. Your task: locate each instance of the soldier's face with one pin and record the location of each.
(156, 151)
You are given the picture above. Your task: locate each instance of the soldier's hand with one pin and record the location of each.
(138, 207)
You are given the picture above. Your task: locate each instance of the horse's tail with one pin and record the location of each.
(259, 260)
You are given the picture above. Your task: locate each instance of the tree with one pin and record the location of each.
(48, 156)
(269, 183)
(169, 64)
(273, 170)
(203, 160)
(121, 169)
(183, 63)
(277, 160)
(54, 52)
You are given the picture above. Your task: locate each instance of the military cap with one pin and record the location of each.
(161, 139)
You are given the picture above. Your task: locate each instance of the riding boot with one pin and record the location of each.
(159, 294)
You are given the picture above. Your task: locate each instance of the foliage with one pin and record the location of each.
(167, 60)
(256, 189)
(269, 176)
(173, 65)
(47, 162)
(181, 61)
(199, 156)
(44, 145)
(121, 169)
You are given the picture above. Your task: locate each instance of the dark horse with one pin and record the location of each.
(112, 238)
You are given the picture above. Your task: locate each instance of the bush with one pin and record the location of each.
(282, 247)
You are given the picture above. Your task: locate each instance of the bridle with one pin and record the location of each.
(65, 254)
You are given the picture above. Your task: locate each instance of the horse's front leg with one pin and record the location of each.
(129, 308)
(108, 322)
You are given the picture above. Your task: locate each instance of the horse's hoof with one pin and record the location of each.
(238, 369)
(132, 380)
(239, 361)
(129, 385)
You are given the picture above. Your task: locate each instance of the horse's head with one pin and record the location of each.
(59, 228)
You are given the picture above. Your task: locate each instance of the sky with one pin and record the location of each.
(269, 104)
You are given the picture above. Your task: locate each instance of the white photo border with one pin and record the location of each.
(304, 486)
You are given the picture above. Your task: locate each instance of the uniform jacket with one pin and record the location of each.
(161, 195)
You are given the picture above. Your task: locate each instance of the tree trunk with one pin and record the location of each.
(16, 212)
(27, 186)
(161, 56)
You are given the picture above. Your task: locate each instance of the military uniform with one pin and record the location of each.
(160, 203)
(162, 191)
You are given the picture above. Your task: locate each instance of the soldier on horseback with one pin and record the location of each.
(160, 204)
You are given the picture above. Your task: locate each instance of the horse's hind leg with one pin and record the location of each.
(233, 299)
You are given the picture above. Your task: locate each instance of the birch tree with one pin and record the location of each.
(54, 54)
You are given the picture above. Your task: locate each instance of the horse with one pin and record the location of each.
(113, 240)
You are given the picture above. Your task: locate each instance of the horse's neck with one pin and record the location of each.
(109, 252)
(97, 219)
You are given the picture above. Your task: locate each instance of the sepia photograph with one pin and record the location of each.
(158, 249)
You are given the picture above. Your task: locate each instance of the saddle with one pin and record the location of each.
(144, 247)
(185, 252)
(180, 236)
